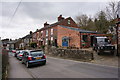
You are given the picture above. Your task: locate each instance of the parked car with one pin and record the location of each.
(20, 54)
(103, 45)
(33, 57)
(17, 52)
(13, 51)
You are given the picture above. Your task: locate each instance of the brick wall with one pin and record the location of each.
(65, 22)
(74, 36)
(54, 27)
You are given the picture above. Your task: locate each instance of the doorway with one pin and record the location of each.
(91, 40)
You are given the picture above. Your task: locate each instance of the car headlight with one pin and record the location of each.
(112, 47)
(98, 47)
(101, 47)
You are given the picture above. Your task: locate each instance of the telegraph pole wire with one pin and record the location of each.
(14, 13)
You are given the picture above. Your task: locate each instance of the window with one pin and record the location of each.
(51, 31)
(41, 33)
(65, 41)
(46, 32)
(51, 38)
(46, 42)
(85, 38)
(68, 21)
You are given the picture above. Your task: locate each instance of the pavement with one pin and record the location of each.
(61, 68)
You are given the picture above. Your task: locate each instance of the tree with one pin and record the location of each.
(91, 25)
(33, 45)
(101, 22)
(84, 22)
(112, 10)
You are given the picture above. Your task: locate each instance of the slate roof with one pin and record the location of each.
(27, 36)
(54, 24)
(12, 42)
(80, 30)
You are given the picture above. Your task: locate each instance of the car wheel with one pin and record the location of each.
(27, 65)
(44, 63)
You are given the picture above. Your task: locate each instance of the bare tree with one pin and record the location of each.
(85, 22)
(118, 8)
(112, 10)
(82, 20)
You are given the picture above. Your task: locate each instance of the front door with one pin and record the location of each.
(91, 40)
(65, 42)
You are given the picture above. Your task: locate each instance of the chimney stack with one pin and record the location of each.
(60, 18)
(30, 32)
(46, 24)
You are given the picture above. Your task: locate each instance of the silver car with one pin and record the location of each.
(20, 54)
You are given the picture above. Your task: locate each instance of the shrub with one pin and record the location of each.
(33, 44)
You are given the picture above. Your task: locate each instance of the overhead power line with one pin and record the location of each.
(14, 12)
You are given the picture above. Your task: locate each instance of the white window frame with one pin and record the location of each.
(46, 32)
(52, 31)
(68, 21)
(51, 38)
(46, 41)
(41, 33)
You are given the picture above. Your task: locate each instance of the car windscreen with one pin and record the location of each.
(102, 41)
(36, 53)
(17, 51)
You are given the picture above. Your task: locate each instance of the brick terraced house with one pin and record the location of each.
(64, 33)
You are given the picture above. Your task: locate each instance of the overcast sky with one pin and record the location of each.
(32, 15)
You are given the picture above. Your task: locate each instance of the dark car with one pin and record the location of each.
(103, 45)
(33, 57)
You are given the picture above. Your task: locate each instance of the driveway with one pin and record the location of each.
(105, 59)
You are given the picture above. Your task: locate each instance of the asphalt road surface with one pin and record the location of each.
(61, 68)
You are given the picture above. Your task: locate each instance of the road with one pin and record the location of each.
(61, 68)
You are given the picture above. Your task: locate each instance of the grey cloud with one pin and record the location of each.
(32, 15)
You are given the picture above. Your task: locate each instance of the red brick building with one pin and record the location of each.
(64, 33)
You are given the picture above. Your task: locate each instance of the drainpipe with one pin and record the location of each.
(80, 41)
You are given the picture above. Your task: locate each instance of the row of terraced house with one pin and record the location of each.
(64, 33)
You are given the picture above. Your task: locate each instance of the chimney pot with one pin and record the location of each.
(60, 18)
(46, 24)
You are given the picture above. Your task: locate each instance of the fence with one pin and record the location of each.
(4, 63)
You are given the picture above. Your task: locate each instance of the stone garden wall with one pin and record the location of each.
(71, 53)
